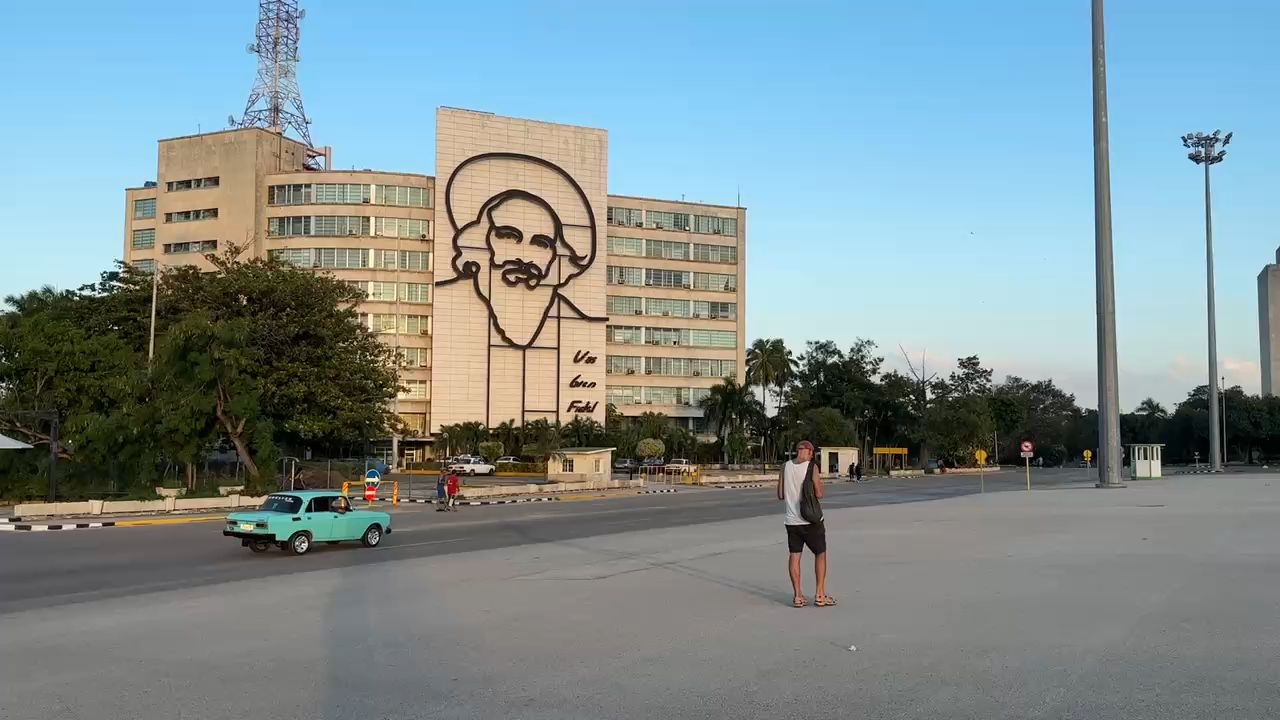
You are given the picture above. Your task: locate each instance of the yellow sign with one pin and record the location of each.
(980, 455)
(889, 451)
(1088, 454)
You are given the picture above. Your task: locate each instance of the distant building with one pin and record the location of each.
(1269, 326)
(511, 284)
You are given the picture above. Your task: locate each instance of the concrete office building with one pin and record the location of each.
(1269, 326)
(547, 298)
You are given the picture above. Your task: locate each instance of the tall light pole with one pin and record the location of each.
(1204, 151)
(1108, 375)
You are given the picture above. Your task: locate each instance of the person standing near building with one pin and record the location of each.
(801, 532)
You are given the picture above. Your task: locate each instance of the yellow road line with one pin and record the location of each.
(170, 521)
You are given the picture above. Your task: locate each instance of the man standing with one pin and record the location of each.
(451, 487)
(801, 532)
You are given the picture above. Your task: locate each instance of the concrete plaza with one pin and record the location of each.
(1161, 600)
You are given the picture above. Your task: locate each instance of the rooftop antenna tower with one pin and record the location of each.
(275, 103)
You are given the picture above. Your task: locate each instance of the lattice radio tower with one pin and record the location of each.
(275, 103)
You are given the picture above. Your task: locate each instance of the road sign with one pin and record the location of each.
(1088, 454)
(372, 477)
(980, 455)
(370, 492)
(1028, 446)
(1028, 454)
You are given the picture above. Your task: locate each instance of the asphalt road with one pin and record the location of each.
(47, 569)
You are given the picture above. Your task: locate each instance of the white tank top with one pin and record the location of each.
(792, 481)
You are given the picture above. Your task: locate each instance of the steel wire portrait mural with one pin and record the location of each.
(522, 231)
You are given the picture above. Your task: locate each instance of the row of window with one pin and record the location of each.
(144, 209)
(414, 357)
(670, 307)
(194, 246)
(191, 215)
(415, 389)
(672, 250)
(144, 239)
(339, 225)
(349, 194)
(662, 220)
(634, 395)
(146, 266)
(391, 323)
(676, 367)
(192, 184)
(635, 335)
(348, 258)
(390, 292)
(649, 277)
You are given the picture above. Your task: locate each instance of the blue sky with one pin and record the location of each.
(917, 173)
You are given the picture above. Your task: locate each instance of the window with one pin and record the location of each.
(597, 465)
(715, 310)
(713, 338)
(401, 227)
(666, 336)
(301, 257)
(622, 365)
(626, 246)
(146, 266)
(631, 217)
(415, 423)
(195, 246)
(191, 215)
(666, 396)
(666, 249)
(383, 291)
(715, 281)
(143, 239)
(338, 225)
(624, 334)
(341, 258)
(625, 275)
(666, 307)
(382, 322)
(697, 395)
(403, 196)
(715, 253)
(713, 368)
(414, 390)
(289, 195)
(340, 193)
(678, 367)
(659, 219)
(144, 209)
(567, 465)
(194, 184)
(622, 305)
(319, 504)
(622, 395)
(666, 278)
(715, 225)
(415, 324)
(415, 292)
(415, 357)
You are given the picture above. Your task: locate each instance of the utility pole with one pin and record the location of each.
(1224, 421)
(1108, 374)
(151, 342)
(1204, 151)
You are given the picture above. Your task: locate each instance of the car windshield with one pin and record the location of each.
(281, 504)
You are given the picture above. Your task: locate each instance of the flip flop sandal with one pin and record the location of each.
(824, 601)
(800, 602)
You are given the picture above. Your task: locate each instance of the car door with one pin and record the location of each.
(343, 524)
(318, 517)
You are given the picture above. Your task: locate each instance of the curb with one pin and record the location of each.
(479, 502)
(655, 492)
(10, 520)
(747, 485)
(27, 527)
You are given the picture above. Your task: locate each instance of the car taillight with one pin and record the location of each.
(260, 526)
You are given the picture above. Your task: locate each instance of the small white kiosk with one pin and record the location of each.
(836, 461)
(1144, 460)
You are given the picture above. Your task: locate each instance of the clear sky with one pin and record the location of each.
(917, 173)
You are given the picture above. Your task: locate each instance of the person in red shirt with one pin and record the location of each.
(451, 489)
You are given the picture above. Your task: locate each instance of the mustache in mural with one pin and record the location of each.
(520, 272)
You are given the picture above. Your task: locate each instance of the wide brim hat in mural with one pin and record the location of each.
(478, 179)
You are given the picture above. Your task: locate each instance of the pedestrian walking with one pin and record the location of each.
(799, 489)
(857, 472)
(451, 487)
(441, 498)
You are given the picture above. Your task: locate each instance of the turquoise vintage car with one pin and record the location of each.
(296, 520)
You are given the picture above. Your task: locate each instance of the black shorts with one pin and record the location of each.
(814, 535)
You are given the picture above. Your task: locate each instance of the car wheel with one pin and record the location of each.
(372, 536)
(300, 543)
(260, 546)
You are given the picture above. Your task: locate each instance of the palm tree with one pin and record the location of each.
(727, 405)
(770, 365)
(507, 434)
(1151, 408)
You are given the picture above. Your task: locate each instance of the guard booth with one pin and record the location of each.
(835, 461)
(1145, 460)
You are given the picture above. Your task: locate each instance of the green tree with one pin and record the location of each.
(491, 449)
(727, 406)
(651, 447)
(770, 365)
(583, 432)
(542, 438)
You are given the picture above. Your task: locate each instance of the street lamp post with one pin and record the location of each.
(1204, 151)
(1108, 375)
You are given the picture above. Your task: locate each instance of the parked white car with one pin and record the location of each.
(508, 460)
(681, 466)
(472, 466)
